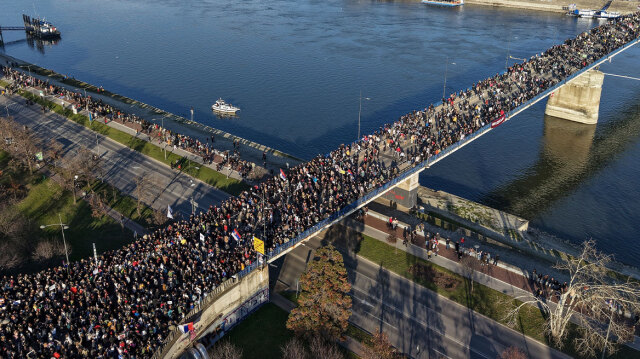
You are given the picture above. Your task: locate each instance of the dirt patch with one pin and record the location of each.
(427, 273)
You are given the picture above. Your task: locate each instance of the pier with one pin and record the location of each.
(33, 27)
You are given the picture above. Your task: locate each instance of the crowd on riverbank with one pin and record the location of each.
(100, 110)
(124, 305)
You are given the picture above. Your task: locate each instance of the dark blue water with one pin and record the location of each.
(296, 69)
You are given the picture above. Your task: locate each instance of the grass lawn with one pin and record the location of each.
(484, 300)
(205, 174)
(46, 200)
(263, 332)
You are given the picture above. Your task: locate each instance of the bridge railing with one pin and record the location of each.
(431, 160)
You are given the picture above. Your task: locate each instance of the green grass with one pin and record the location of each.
(263, 332)
(46, 200)
(203, 173)
(483, 299)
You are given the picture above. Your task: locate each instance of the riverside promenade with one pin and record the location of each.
(120, 164)
(223, 141)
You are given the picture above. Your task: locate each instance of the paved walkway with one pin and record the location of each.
(504, 277)
(249, 150)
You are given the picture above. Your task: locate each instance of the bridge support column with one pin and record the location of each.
(579, 100)
(406, 192)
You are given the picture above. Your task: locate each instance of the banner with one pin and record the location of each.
(498, 122)
(258, 245)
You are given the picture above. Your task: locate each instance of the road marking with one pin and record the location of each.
(424, 324)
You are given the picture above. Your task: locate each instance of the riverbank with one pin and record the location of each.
(224, 141)
(623, 7)
(462, 217)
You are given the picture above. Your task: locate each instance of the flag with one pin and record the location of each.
(498, 122)
(90, 117)
(169, 212)
(235, 235)
(282, 175)
(186, 328)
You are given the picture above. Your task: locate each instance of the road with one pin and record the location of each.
(419, 322)
(120, 164)
(423, 324)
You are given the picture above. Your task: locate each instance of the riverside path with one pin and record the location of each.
(164, 277)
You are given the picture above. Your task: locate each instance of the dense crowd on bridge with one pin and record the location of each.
(100, 110)
(124, 305)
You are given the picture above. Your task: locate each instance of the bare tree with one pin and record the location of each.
(159, 217)
(470, 266)
(294, 349)
(380, 348)
(47, 249)
(143, 191)
(513, 353)
(593, 299)
(323, 349)
(226, 350)
(20, 142)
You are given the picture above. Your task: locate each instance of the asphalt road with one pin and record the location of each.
(120, 164)
(425, 325)
(419, 322)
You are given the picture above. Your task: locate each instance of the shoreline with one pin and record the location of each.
(501, 228)
(623, 7)
(173, 122)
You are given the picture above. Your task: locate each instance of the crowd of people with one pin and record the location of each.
(124, 305)
(105, 112)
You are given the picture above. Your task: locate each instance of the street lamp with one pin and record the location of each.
(62, 228)
(446, 68)
(359, 112)
(75, 178)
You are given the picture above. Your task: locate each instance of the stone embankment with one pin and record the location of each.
(624, 7)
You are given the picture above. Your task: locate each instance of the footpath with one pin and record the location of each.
(504, 277)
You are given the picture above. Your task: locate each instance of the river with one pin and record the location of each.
(297, 68)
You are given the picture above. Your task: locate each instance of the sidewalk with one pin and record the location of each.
(133, 130)
(506, 278)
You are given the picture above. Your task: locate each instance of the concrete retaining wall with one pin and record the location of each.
(623, 7)
(222, 309)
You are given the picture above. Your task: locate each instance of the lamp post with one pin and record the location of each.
(64, 241)
(446, 68)
(359, 112)
(75, 178)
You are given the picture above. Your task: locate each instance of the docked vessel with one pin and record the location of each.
(222, 107)
(444, 2)
(603, 14)
(40, 28)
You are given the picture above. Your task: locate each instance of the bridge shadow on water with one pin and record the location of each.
(572, 153)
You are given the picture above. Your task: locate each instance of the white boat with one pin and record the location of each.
(444, 2)
(223, 107)
(585, 13)
(603, 14)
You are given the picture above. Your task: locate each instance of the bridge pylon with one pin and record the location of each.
(578, 100)
(406, 192)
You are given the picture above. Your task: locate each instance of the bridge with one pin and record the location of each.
(407, 180)
(403, 187)
(335, 185)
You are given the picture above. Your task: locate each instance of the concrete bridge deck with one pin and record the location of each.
(408, 170)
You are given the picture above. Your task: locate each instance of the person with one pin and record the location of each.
(496, 258)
